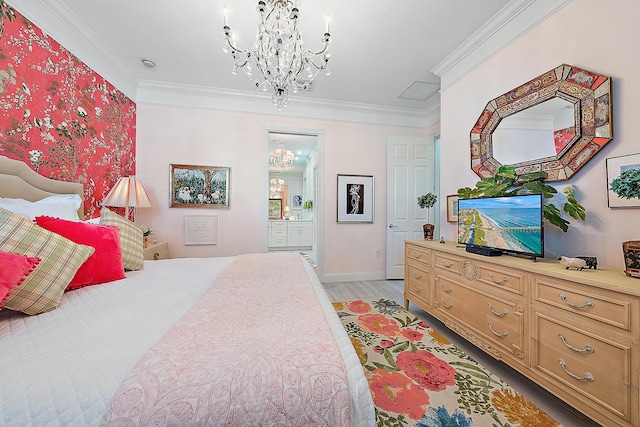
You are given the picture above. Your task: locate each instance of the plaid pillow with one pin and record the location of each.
(131, 239)
(60, 259)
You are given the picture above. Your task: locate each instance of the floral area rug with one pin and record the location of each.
(310, 260)
(418, 378)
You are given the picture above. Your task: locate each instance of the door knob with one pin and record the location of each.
(393, 226)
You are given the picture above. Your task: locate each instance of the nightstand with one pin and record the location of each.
(155, 251)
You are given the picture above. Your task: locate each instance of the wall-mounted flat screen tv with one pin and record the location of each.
(495, 225)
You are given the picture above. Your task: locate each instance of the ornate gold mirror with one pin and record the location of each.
(554, 123)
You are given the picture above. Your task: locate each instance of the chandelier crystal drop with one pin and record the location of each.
(281, 158)
(278, 52)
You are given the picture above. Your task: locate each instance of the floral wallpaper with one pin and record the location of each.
(59, 116)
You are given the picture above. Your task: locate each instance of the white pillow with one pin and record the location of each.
(63, 206)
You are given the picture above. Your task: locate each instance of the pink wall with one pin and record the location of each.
(212, 137)
(60, 117)
(591, 34)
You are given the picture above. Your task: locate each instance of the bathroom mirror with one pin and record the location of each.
(554, 123)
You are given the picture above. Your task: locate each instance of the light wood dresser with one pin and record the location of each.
(576, 333)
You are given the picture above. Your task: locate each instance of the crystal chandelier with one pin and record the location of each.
(276, 185)
(281, 158)
(278, 53)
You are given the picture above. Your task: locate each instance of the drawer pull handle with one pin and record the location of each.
(504, 312)
(417, 276)
(445, 305)
(417, 289)
(587, 349)
(587, 377)
(156, 256)
(450, 264)
(504, 280)
(587, 303)
(446, 290)
(417, 255)
(503, 334)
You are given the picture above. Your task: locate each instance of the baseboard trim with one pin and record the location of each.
(353, 277)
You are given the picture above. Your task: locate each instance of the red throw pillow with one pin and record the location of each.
(105, 265)
(14, 268)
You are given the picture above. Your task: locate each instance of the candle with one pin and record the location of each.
(327, 30)
(226, 18)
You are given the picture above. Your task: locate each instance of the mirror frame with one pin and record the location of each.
(589, 92)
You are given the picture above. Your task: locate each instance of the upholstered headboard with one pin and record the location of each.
(19, 181)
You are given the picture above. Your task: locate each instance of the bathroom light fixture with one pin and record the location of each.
(281, 158)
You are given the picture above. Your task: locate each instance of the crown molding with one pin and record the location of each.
(52, 17)
(510, 23)
(192, 96)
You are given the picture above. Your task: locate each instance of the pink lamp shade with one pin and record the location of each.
(128, 193)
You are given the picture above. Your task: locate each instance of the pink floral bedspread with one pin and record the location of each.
(256, 350)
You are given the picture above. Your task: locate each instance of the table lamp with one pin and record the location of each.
(128, 193)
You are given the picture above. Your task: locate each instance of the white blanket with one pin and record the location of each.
(62, 368)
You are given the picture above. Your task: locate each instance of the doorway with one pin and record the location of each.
(295, 186)
(411, 172)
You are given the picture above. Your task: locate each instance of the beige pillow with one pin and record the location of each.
(131, 239)
(61, 258)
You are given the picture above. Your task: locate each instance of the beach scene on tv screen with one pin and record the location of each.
(508, 223)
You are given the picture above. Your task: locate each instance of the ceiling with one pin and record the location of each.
(378, 48)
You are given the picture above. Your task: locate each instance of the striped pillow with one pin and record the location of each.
(61, 258)
(131, 239)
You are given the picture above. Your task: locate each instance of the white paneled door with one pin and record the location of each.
(410, 173)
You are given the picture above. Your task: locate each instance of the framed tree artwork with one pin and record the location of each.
(199, 186)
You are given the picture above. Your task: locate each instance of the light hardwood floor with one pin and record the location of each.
(394, 290)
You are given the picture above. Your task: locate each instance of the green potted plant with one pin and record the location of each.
(426, 201)
(627, 186)
(505, 182)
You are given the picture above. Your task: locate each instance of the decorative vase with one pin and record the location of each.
(427, 229)
(631, 251)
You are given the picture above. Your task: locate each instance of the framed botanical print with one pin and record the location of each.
(452, 208)
(275, 208)
(199, 186)
(355, 198)
(615, 167)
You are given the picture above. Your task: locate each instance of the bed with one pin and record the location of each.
(244, 340)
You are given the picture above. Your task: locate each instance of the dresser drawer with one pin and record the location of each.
(417, 282)
(506, 279)
(156, 251)
(586, 362)
(278, 242)
(498, 320)
(278, 225)
(447, 262)
(418, 254)
(278, 232)
(602, 306)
